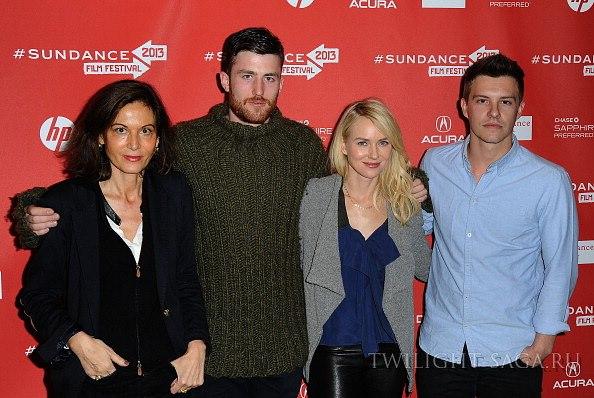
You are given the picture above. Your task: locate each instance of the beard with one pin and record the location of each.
(247, 114)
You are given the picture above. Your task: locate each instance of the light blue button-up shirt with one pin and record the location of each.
(505, 254)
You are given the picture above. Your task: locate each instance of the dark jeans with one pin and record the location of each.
(343, 372)
(437, 378)
(285, 385)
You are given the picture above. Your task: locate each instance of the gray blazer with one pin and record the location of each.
(320, 260)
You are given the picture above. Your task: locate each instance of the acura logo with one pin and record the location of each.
(573, 369)
(443, 124)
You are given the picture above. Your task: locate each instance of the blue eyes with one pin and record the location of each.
(380, 143)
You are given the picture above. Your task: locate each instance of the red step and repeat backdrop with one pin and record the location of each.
(410, 53)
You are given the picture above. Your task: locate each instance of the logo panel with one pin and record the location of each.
(442, 133)
(55, 132)
(523, 128)
(586, 252)
(444, 3)
(310, 64)
(372, 4)
(134, 62)
(580, 5)
(573, 369)
(572, 127)
(300, 3)
(443, 124)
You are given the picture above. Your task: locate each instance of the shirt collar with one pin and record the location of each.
(497, 165)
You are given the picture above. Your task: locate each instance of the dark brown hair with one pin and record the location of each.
(257, 40)
(497, 65)
(84, 157)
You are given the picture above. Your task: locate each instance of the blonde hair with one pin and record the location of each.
(394, 182)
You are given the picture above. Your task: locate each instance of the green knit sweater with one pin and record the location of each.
(247, 186)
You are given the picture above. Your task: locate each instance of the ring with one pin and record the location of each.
(96, 377)
(183, 390)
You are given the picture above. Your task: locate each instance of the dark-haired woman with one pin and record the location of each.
(113, 290)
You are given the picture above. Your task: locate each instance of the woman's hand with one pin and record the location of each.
(96, 357)
(189, 368)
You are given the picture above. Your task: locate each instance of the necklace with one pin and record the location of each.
(355, 204)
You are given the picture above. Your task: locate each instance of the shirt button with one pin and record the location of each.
(166, 312)
(468, 234)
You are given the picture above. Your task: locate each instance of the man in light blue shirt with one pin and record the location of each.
(505, 253)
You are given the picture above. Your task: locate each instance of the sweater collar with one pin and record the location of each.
(220, 114)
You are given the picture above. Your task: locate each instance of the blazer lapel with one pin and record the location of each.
(325, 269)
(161, 226)
(395, 278)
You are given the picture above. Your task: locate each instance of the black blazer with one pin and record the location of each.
(61, 282)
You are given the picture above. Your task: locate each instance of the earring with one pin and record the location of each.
(103, 159)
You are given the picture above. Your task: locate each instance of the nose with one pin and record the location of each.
(494, 111)
(133, 142)
(258, 87)
(373, 153)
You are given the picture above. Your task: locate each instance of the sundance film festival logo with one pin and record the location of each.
(442, 135)
(580, 5)
(134, 62)
(141, 62)
(55, 132)
(310, 64)
(298, 64)
(587, 60)
(300, 3)
(438, 65)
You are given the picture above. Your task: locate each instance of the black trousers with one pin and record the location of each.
(437, 378)
(343, 372)
(126, 384)
(285, 385)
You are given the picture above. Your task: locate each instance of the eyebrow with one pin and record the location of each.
(487, 96)
(122, 124)
(251, 72)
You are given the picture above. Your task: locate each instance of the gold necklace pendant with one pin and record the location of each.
(355, 204)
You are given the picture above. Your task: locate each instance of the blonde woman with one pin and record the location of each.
(362, 245)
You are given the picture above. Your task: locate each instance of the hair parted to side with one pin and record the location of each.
(496, 65)
(395, 181)
(257, 40)
(83, 156)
